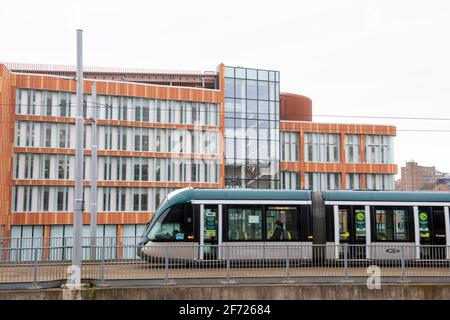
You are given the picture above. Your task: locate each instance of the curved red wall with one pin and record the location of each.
(295, 107)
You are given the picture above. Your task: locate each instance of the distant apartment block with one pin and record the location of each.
(415, 177)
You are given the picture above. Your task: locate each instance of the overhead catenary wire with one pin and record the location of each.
(167, 108)
(162, 108)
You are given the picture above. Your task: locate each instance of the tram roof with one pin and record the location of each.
(187, 195)
(242, 194)
(397, 196)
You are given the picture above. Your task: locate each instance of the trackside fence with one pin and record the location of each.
(46, 262)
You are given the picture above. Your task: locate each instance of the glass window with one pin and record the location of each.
(145, 143)
(61, 204)
(229, 88)
(289, 146)
(63, 168)
(240, 148)
(46, 167)
(62, 137)
(290, 180)
(229, 72)
(144, 202)
(391, 224)
(344, 228)
(63, 106)
(240, 108)
(352, 148)
(49, 104)
(322, 181)
(244, 223)
(252, 74)
(252, 149)
(252, 129)
(264, 150)
(144, 175)
(272, 91)
(229, 108)
(45, 198)
(229, 127)
(272, 75)
(360, 225)
(353, 181)
(136, 172)
(263, 110)
(136, 202)
(48, 137)
(137, 142)
(252, 89)
(145, 112)
(282, 223)
(263, 75)
(252, 109)
(263, 90)
(137, 113)
(175, 224)
(240, 73)
(229, 147)
(322, 147)
(379, 149)
(240, 89)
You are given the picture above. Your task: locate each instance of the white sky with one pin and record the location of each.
(360, 57)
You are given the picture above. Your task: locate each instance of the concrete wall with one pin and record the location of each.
(343, 291)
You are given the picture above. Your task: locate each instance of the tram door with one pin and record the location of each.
(210, 232)
(432, 232)
(352, 230)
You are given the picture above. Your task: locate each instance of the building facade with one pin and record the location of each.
(159, 131)
(415, 177)
(320, 156)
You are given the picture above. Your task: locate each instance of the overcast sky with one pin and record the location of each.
(360, 57)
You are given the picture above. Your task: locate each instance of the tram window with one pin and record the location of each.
(329, 218)
(282, 223)
(344, 228)
(244, 223)
(175, 224)
(391, 224)
(360, 224)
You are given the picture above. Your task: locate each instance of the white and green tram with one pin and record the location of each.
(249, 224)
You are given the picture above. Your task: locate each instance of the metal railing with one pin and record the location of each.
(45, 262)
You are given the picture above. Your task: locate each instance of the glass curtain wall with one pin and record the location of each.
(252, 118)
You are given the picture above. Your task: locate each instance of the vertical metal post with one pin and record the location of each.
(219, 231)
(228, 264)
(447, 232)
(416, 231)
(78, 198)
(102, 267)
(93, 197)
(166, 266)
(336, 231)
(288, 276)
(202, 232)
(368, 231)
(346, 261)
(402, 252)
(35, 269)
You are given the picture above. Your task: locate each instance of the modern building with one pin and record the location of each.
(415, 177)
(163, 130)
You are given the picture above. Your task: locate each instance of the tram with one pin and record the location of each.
(195, 223)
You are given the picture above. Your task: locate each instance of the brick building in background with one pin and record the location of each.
(163, 130)
(416, 178)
